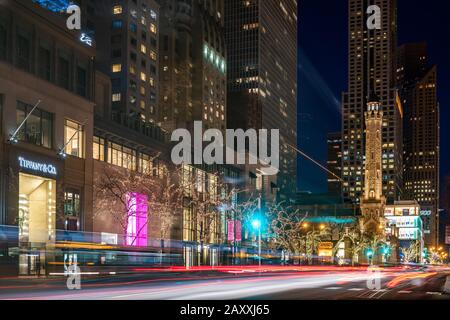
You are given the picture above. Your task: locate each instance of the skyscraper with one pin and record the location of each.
(371, 67)
(126, 33)
(334, 163)
(417, 84)
(261, 39)
(193, 65)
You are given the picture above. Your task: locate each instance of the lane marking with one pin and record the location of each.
(355, 289)
(333, 288)
(405, 292)
(435, 293)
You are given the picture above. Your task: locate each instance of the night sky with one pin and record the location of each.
(323, 73)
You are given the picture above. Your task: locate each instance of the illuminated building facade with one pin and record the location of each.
(46, 159)
(405, 224)
(261, 41)
(334, 163)
(418, 89)
(192, 64)
(371, 66)
(127, 41)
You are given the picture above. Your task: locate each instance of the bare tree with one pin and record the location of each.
(410, 253)
(113, 189)
(358, 241)
(286, 228)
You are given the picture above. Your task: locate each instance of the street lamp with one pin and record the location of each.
(256, 224)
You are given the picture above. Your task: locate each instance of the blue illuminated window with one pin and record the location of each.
(117, 24)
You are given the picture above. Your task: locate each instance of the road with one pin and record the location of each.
(395, 284)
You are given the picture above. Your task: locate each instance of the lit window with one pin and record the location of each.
(117, 9)
(153, 55)
(116, 67)
(72, 203)
(116, 97)
(99, 149)
(143, 76)
(74, 139)
(143, 49)
(153, 28)
(132, 70)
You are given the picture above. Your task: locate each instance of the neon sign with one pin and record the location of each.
(137, 234)
(37, 166)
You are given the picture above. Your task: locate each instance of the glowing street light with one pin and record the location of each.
(256, 224)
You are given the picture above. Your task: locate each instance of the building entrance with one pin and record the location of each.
(37, 209)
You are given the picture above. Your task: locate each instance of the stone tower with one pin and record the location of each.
(373, 202)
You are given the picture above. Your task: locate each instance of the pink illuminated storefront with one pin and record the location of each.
(137, 230)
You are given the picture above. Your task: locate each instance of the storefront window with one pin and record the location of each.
(200, 181)
(38, 129)
(121, 156)
(212, 186)
(72, 203)
(99, 149)
(187, 176)
(188, 230)
(37, 209)
(146, 164)
(74, 138)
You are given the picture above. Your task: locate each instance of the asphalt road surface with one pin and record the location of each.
(291, 285)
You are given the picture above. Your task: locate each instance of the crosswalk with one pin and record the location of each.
(364, 293)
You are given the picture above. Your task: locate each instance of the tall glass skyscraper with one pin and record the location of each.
(261, 41)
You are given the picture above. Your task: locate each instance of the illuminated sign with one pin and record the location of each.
(402, 211)
(409, 234)
(86, 39)
(137, 233)
(58, 6)
(325, 249)
(109, 238)
(425, 213)
(37, 166)
(406, 221)
(234, 230)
